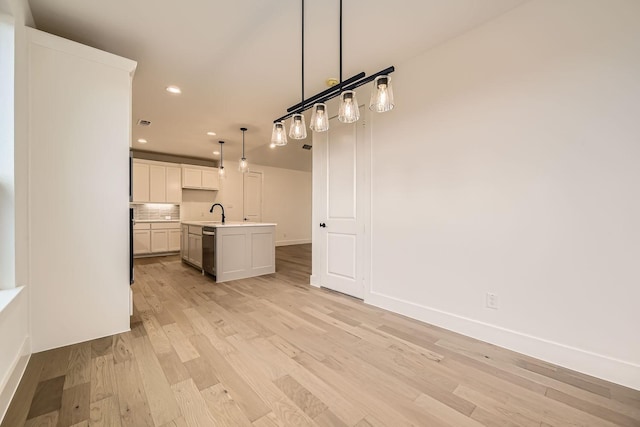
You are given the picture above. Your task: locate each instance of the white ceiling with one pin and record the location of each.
(238, 62)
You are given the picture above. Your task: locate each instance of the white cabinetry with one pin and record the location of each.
(156, 182)
(140, 182)
(192, 244)
(153, 238)
(174, 240)
(141, 239)
(174, 185)
(184, 248)
(159, 241)
(199, 177)
(243, 252)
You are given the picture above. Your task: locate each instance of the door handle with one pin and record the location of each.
(323, 225)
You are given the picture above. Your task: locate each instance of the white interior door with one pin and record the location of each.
(341, 227)
(253, 196)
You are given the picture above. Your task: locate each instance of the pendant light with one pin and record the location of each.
(381, 99)
(279, 134)
(381, 95)
(349, 111)
(243, 166)
(319, 118)
(221, 172)
(298, 129)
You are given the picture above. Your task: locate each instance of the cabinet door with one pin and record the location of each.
(140, 182)
(157, 183)
(210, 179)
(185, 242)
(191, 178)
(159, 240)
(142, 242)
(197, 257)
(195, 250)
(174, 240)
(174, 185)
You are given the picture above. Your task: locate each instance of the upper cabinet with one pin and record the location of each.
(156, 182)
(199, 177)
(140, 181)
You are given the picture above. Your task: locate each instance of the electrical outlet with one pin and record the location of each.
(492, 300)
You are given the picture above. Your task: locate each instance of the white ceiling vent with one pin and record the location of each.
(143, 122)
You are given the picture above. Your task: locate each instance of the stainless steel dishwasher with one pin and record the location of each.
(209, 250)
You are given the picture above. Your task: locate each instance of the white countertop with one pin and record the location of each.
(218, 224)
(157, 220)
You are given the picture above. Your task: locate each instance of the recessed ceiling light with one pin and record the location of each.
(211, 133)
(216, 153)
(142, 141)
(173, 89)
(272, 145)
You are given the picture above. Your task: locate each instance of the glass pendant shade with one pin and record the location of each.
(243, 166)
(381, 95)
(349, 111)
(319, 118)
(221, 172)
(298, 129)
(279, 134)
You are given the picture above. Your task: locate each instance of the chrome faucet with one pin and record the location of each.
(221, 207)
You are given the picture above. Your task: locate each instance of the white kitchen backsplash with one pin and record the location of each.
(156, 211)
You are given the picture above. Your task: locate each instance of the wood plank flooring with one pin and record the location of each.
(273, 351)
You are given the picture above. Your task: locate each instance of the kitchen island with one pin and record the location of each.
(229, 250)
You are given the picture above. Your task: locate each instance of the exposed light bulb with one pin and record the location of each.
(298, 129)
(279, 134)
(381, 95)
(319, 118)
(349, 111)
(243, 166)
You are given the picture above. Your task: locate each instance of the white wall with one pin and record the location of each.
(79, 133)
(511, 164)
(286, 201)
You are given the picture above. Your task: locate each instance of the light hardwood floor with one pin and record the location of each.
(273, 351)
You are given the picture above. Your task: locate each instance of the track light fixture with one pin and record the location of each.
(381, 100)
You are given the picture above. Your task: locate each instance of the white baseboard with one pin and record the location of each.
(292, 242)
(597, 365)
(12, 380)
(314, 280)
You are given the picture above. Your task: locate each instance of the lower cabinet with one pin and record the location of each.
(184, 247)
(174, 240)
(141, 242)
(159, 241)
(192, 244)
(195, 250)
(153, 238)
